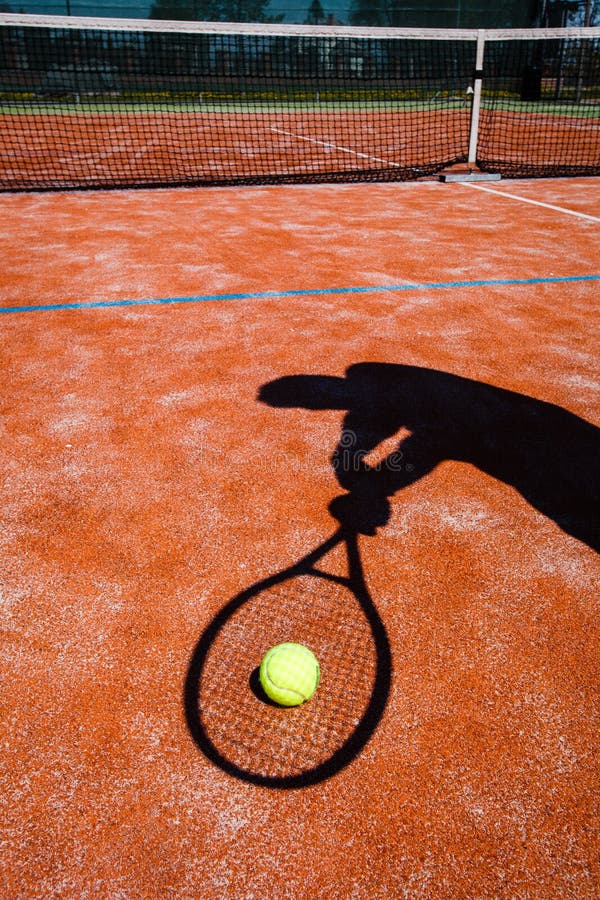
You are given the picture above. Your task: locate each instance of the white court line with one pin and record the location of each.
(301, 137)
(569, 212)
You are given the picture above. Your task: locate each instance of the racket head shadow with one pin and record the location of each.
(254, 740)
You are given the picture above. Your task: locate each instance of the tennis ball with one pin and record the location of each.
(289, 674)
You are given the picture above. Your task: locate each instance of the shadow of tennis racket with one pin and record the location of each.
(334, 615)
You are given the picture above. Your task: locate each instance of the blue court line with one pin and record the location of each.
(316, 292)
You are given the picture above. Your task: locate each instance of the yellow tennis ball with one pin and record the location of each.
(289, 674)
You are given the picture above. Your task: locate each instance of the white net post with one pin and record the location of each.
(476, 106)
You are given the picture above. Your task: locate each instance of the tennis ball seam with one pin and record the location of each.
(286, 692)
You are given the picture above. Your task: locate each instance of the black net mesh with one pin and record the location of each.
(101, 106)
(90, 108)
(540, 113)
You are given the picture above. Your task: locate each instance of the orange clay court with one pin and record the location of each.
(360, 417)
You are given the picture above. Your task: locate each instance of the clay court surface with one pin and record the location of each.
(153, 469)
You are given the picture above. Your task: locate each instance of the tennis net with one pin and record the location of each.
(115, 103)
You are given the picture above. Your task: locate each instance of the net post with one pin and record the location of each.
(476, 105)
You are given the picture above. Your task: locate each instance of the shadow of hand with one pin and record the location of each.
(361, 514)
